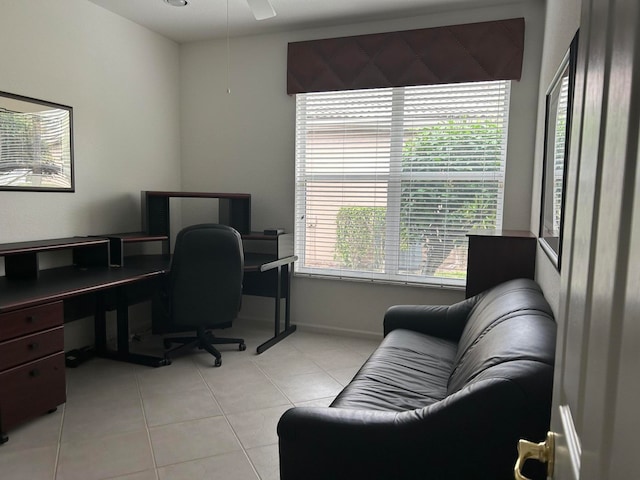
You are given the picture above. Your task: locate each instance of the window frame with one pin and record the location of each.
(393, 179)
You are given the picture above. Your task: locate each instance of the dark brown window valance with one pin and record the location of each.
(458, 53)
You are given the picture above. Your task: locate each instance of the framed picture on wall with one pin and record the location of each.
(36, 145)
(559, 103)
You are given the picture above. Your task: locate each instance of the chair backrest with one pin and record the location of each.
(205, 281)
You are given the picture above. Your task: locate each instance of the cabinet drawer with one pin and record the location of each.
(30, 347)
(30, 320)
(31, 390)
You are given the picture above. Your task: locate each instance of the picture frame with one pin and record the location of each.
(36, 145)
(557, 139)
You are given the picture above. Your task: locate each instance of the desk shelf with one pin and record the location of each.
(118, 241)
(21, 259)
(234, 209)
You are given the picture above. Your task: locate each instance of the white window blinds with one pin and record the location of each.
(558, 155)
(389, 181)
(35, 148)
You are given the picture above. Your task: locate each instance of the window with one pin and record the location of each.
(389, 181)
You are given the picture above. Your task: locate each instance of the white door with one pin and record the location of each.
(596, 404)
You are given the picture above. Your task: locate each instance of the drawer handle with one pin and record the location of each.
(31, 319)
(34, 373)
(33, 346)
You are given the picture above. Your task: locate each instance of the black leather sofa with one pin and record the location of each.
(446, 395)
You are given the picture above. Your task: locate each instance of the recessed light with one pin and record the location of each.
(177, 3)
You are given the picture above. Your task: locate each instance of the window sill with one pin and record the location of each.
(437, 283)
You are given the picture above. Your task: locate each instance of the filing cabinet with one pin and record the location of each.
(32, 376)
(496, 256)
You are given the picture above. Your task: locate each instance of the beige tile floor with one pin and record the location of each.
(188, 420)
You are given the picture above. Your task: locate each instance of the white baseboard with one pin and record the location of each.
(307, 327)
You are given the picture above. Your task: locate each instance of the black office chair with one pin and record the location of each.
(204, 287)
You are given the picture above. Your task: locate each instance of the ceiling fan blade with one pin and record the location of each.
(262, 9)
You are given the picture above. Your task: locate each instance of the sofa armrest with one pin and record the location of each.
(442, 321)
(319, 443)
(475, 430)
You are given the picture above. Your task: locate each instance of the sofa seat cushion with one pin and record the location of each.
(409, 370)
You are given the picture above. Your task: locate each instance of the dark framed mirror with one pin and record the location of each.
(36, 145)
(559, 103)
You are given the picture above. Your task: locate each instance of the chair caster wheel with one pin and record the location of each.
(218, 362)
(242, 347)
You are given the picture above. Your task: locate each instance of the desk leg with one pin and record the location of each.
(122, 311)
(276, 320)
(100, 325)
(287, 302)
(122, 337)
(288, 328)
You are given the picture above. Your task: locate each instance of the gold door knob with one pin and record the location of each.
(543, 452)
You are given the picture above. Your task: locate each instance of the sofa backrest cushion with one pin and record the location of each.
(509, 323)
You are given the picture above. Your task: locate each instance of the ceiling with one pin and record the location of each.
(205, 19)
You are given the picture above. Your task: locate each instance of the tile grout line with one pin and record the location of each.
(59, 446)
(146, 426)
(273, 380)
(224, 415)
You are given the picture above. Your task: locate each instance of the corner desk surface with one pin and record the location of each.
(35, 303)
(71, 282)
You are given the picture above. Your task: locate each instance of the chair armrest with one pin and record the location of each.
(443, 321)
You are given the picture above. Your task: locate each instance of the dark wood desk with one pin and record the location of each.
(96, 290)
(35, 303)
(69, 282)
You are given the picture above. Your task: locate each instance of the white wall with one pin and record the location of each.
(122, 82)
(244, 142)
(561, 23)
